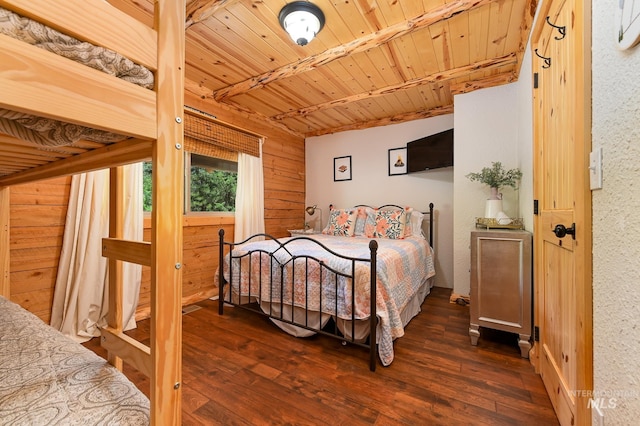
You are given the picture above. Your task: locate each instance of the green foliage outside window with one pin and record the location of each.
(211, 190)
(146, 187)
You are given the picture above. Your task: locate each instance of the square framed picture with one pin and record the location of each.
(342, 168)
(397, 161)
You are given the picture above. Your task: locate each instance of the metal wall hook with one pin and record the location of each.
(562, 30)
(547, 61)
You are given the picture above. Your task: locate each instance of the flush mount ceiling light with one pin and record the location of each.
(302, 20)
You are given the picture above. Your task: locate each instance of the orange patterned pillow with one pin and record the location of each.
(365, 222)
(390, 224)
(342, 222)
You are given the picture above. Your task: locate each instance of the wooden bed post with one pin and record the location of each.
(116, 223)
(5, 289)
(431, 224)
(221, 273)
(373, 320)
(166, 217)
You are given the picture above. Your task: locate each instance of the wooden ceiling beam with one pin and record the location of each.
(200, 10)
(400, 118)
(433, 78)
(205, 94)
(362, 44)
(525, 30)
(482, 83)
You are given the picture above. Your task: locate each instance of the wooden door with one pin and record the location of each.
(562, 128)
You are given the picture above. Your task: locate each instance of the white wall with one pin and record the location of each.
(372, 185)
(616, 219)
(491, 125)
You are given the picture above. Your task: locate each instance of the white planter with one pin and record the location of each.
(492, 208)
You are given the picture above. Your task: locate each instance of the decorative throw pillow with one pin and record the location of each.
(390, 224)
(366, 219)
(342, 222)
(408, 230)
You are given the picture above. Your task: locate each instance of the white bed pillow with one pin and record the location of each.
(416, 223)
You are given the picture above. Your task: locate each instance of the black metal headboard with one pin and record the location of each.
(429, 214)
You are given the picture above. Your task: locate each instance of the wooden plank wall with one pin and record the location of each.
(200, 260)
(38, 213)
(37, 216)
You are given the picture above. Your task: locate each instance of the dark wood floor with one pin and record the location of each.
(240, 369)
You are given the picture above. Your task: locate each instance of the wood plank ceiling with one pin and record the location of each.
(375, 62)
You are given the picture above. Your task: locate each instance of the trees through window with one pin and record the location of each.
(210, 184)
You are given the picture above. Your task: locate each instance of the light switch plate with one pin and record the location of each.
(595, 169)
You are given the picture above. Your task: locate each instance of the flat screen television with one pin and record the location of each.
(430, 152)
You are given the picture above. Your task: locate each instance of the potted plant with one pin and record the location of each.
(496, 177)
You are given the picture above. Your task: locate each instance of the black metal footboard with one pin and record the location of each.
(301, 282)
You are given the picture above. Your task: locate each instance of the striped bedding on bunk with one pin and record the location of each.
(46, 378)
(51, 133)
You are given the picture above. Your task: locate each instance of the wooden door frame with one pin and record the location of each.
(584, 258)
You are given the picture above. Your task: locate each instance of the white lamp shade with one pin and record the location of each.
(302, 20)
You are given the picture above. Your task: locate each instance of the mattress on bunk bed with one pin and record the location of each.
(46, 378)
(46, 132)
(404, 267)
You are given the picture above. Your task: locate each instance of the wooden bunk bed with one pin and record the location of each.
(42, 84)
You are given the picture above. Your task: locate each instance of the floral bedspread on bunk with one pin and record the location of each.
(46, 132)
(403, 266)
(46, 378)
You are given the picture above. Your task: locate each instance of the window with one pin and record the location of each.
(211, 157)
(209, 187)
(212, 185)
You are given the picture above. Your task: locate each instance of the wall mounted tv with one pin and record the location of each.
(430, 152)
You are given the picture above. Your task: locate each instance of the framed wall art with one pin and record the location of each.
(397, 161)
(342, 168)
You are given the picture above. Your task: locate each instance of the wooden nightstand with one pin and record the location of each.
(501, 284)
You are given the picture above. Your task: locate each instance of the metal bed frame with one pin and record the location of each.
(233, 295)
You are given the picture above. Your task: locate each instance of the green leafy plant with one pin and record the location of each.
(211, 190)
(496, 176)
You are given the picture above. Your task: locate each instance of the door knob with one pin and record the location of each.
(561, 231)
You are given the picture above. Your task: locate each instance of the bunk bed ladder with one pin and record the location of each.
(116, 250)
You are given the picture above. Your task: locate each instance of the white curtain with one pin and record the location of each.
(80, 301)
(249, 217)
